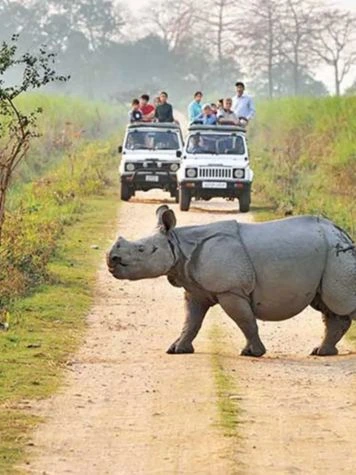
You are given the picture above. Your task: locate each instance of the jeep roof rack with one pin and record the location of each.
(153, 125)
(216, 128)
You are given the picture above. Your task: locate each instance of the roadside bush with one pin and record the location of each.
(40, 211)
(304, 156)
(65, 124)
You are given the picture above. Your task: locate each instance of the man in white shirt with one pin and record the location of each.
(242, 104)
(226, 115)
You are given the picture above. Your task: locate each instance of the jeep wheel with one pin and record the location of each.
(175, 195)
(125, 192)
(184, 199)
(245, 201)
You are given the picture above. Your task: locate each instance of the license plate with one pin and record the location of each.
(221, 185)
(154, 178)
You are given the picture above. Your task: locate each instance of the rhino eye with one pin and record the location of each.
(154, 249)
(141, 249)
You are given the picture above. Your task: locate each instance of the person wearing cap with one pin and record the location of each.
(195, 108)
(207, 117)
(242, 104)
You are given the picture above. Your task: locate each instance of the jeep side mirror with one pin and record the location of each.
(119, 148)
(178, 153)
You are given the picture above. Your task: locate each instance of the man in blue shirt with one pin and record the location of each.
(242, 104)
(195, 109)
(207, 117)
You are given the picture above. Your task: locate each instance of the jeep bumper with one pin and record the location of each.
(147, 180)
(216, 189)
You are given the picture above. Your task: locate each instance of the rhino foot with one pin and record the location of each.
(180, 349)
(250, 350)
(324, 351)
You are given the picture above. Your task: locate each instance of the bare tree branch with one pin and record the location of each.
(335, 42)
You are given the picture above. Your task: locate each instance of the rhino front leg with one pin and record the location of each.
(335, 329)
(195, 311)
(241, 313)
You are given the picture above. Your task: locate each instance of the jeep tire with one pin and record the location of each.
(184, 199)
(245, 201)
(125, 193)
(175, 194)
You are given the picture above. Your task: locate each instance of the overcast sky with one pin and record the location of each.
(136, 4)
(325, 74)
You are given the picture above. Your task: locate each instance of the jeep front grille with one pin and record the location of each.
(213, 172)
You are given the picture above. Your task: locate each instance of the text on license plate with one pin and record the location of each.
(152, 178)
(215, 184)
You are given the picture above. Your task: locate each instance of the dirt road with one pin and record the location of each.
(128, 408)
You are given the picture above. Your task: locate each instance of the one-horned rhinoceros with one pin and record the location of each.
(268, 271)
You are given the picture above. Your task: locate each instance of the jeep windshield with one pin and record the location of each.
(218, 144)
(152, 140)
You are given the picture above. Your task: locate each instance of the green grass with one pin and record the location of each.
(225, 387)
(304, 157)
(64, 125)
(63, 201)
(47, 326)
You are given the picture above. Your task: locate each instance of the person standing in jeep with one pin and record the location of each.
(147, 109)
(164, 111)
(242, 103)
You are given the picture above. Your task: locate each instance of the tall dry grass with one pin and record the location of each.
(304, 157)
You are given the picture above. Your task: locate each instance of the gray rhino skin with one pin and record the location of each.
(268, 271)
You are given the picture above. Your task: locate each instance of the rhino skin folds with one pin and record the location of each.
(269, 271)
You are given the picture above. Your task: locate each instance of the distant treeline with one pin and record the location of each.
(183, 45)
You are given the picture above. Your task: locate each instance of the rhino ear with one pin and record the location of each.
(166, 218)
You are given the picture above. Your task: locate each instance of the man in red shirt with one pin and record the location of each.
(148, 110)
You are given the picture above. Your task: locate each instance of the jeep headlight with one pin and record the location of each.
(174, 167)
(191, 172)
(130, 167)
(239, 173)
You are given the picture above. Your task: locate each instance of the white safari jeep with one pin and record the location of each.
(149, 158)
(215, 163)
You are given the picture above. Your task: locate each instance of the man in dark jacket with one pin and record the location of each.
(164, 111)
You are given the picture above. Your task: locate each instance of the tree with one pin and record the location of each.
(22, 18)
(219, 23)
(282, 74)
(336, 43)
(173, 20)
(17, 128)
(98, 20)
(298, 22)
(351, 91)
(261, 38)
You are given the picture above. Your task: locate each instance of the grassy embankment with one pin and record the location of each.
(65, 124)
(304, 158)
(47, 263)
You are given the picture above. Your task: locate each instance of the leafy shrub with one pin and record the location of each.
(40, 211)
(304, 153)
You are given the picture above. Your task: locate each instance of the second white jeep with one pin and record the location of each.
(215, 163)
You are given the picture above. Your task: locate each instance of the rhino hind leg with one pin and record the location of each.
(335, 328)
(239, 310)
(195, 311)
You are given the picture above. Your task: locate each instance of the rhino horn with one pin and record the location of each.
(166, 218)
